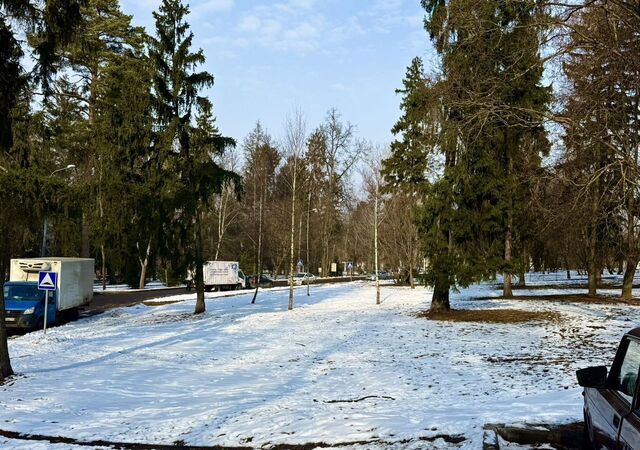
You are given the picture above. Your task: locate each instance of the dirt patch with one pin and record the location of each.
(561, 437)
(450, 439)
(161, 303)
(492, 315)
(577, 298)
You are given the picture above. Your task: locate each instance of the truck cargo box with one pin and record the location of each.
(223, 274)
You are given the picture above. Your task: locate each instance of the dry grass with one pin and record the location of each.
(492, 315)
(161, 303)
(577, 298)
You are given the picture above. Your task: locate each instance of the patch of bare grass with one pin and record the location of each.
(577, 298)
(161, 303)
(492, 316)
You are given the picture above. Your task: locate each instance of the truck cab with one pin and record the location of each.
(24, 305)
(612, 400)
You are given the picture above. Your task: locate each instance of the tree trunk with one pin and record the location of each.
(411, 283)
(104, 269)
(308, 262)
(375, 245)
(86, 249)
(143, 267)
(507, 288)
(627, 281)
(592, 265)
(255, 293)
(293, 235)
(440, 300)
(522, 282)
(593, 280)
(5, 362)
(200, 305)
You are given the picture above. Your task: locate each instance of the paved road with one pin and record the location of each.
(102, 301)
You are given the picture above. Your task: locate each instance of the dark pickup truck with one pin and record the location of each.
(612, 401)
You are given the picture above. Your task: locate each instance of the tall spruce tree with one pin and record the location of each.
(191, 174)
(125, 194)
(414, 166)
(54, 23)
(482, 115)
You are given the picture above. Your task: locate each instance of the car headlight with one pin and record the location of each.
(29, 310)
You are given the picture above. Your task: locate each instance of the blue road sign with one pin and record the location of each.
(300, 263)
(349, 265)
(47, 281)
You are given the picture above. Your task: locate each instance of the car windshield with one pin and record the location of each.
(23, 292)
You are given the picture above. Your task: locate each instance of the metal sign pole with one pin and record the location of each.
(46, 308)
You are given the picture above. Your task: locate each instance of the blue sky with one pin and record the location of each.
(269, 58)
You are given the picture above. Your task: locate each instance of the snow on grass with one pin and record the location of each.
(337, 368)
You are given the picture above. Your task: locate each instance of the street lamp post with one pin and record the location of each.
(43, 247)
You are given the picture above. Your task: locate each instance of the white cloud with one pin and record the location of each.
(294, 25)
(310, 26)
(211, 6)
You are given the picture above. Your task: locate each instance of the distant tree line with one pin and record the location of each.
(110, 150)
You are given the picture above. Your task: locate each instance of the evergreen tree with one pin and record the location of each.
(126, 199)
(105, 35)
(191, 175)
(54, 23)
(481, 118)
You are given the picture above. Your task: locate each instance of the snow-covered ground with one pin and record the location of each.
(337, 368)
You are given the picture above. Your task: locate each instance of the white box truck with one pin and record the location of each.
(24, 302)
(223, 275)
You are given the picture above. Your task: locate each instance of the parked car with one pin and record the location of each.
(265, 281)
(382, 275)
(611, 401)
(301, 278)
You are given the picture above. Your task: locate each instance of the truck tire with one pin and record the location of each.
(72, 314)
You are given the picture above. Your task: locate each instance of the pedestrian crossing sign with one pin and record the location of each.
(47, 281)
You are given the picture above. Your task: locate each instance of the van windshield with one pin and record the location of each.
(23, 292)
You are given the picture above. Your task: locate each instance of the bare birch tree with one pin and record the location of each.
(294, 145)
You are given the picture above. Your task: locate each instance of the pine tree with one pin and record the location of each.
(105, 35)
